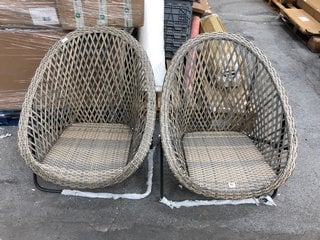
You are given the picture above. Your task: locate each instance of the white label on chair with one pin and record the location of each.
(64, 40)
(232, 185)
(103, 14)
(44, 16)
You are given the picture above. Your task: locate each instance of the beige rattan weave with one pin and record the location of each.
(226, 126)
(88, 117)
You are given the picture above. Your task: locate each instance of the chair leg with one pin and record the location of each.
(275, 193)
(161, 172)
(44, 189)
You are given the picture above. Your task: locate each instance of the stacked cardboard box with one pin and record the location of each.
(28, 13)
(20, 53)
(29, 27)
(120, 13)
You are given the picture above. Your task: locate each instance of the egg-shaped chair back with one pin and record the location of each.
(221, 84)
(96, 83)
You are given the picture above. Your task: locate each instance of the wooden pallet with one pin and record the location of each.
(278, 4)
(299, 21)
(314, 44)
(201, 7)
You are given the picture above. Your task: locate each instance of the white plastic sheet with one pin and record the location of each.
(265, 200)
(151, 36)
(4, 135)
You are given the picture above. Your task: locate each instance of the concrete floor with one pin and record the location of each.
(26, 213)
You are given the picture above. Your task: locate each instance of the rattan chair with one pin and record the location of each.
(226, 126)
(88, 117)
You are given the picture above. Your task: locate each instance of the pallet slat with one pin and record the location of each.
(314, 44)
(301, 20)
(305, 22)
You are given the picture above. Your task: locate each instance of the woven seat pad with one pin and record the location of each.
(90, 148)
(225, 161)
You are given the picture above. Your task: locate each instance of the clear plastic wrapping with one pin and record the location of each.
(20, 53)
(121, 13)
(71, 14)
(28, 28)
(28, 14)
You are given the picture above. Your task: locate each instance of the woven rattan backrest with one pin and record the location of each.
(97, 72)
(221, 82)
(93, 75)
(214, 91)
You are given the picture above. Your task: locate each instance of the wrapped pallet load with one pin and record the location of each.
(20, 53)
(71, 14)
(28, 14)
(121, 13)
(28, 28)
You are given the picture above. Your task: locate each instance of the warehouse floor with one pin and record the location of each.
(26, 213)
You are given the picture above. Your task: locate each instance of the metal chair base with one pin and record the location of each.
(110, 195)
(44, 189)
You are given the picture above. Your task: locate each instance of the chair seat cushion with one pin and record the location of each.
(87, 151)
(226, 161)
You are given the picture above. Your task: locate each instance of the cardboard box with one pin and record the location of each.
(311, 6)
(20, 54)
(121, 13)
(211, 23)
(28, 13)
